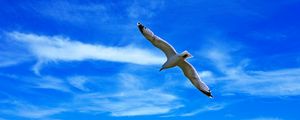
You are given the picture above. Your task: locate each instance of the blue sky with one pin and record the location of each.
(87, 60)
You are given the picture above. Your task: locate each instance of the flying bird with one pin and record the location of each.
(176, 59)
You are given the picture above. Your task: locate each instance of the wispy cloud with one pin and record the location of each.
(57, 48)
(72, 12)
(10, 53)
(129, 100)
(78, 82)
(265, 118)
(125, 95)
(144, 9)
(214, 107)
(268, 83)
(130, 103)
(9, 58)
(30, 83)
(28, 110)
(96, 13)
(50, 82)
(5, 63)
(237, 78)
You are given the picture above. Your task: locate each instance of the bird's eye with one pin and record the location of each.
(184, 56)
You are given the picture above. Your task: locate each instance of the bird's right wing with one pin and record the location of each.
(157, 41)
(191, 73)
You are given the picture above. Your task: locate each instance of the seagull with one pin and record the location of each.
(176, 59)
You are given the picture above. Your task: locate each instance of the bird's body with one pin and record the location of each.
(176, 59)
(172, 61)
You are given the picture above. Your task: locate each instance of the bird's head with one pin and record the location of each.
(185, 54)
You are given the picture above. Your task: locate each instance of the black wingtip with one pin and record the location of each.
(208, 94)
(140, 26)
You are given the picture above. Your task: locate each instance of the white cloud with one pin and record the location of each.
(126, 95)
(78, 82)
(206, 74)
(144, 9)
(28, 110)
(94, 13)
(214, 107)
(266, 118)
(41, 82)
(131, 99)
(72, 12)
(7, 63)
(49, 82)
(236, 78)
(56, 48)
(10, 54)
(207, 77)
(36, 112)
(268, 83)
(128, 103)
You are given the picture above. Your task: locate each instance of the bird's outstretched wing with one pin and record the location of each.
(157, 41)
(191, 73)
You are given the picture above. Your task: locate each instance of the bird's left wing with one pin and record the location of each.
(191, 73)
(157, 41)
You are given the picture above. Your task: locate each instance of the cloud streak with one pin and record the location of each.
(129, 100)
(265, 118)
(144, 9)
(49, 82)
(28, 110)
(237, 79)
(132, 103)
(72, 12)
(214, 107)
(78, 82)
(57, 48)
(126, 95)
